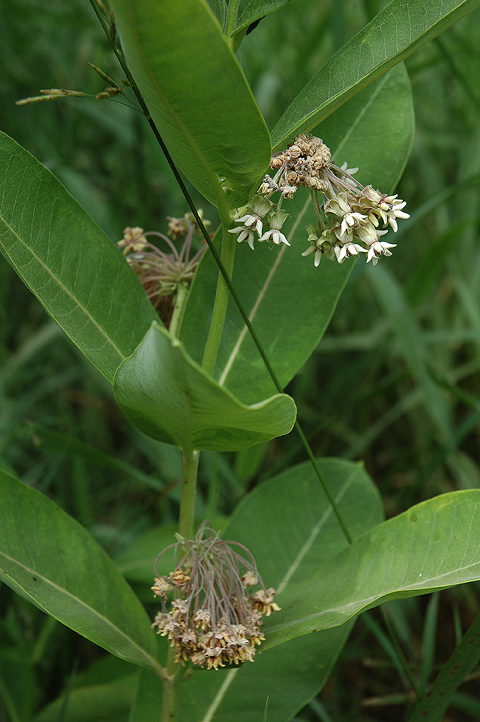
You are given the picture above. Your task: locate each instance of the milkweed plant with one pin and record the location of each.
(200, 329)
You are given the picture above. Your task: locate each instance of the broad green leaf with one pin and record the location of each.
(432, 546)
(168, 397)
(196, 94)
(68, 262)
(288, 524)
(394, 34)
(51, 560)
(256, 10)
(290, 302)
(289, 527)
(374, 130)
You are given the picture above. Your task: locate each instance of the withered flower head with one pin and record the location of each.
(161, 274)
(212, 619)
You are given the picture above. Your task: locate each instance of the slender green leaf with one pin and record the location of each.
(67, 445)
(68, 262)
(5, 466)
(290, 302)
(465, 657)
(428, 642)
(168, 397)
(424, 277)
(288, 525)
(432, 546)
(103, 693)
(52, 561)
(411, 346)
(219, 9)
(394, 34)
(196, 94)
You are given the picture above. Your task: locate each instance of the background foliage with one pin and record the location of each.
(394, 381)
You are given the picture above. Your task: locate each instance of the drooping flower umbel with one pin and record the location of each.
(161, 274)
(348, 214)
(208, 613)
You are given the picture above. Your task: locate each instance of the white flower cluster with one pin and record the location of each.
(348, 214)
(351, 226)
(253, 219)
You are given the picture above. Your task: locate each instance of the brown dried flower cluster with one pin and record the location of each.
(302, 163)
(161, 274)
(212, 619)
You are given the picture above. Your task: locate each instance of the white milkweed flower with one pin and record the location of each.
(254, 215)
(388, 208)
(322, 244)
(348, 250)
(276, 220)
(341, 207)
(252, 219)
(368, 234)
(244, 234)
(349, 171)
(380, 248)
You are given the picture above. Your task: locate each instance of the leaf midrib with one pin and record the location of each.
(359, 604)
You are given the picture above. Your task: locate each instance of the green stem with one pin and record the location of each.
(171, 680)
(225, 269)
(189, 484)
(180, 301)
(220, 305)
(322, 481)
(224, 287)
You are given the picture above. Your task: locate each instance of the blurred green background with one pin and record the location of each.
(394, 382)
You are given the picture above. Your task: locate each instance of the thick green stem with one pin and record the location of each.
(171, 680)
(171, 683)
(221, 302)
(189, 485)
(180, 300)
